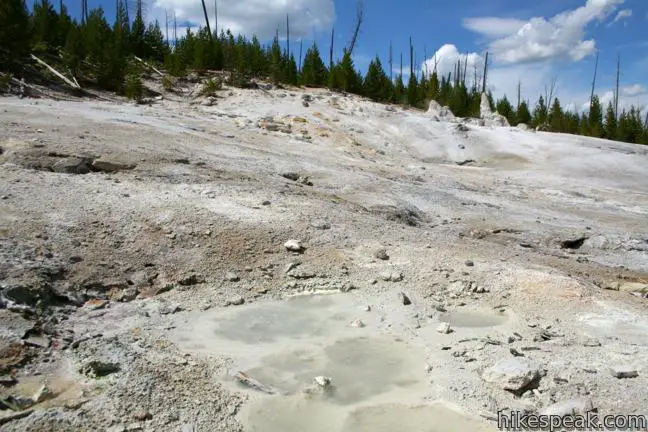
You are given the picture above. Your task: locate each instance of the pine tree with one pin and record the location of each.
(276, 68)
(595, 118)
(314, 72)
(347, 75)
(376, 83)
(505, 108)
(412, 91)
(137, 33)
(433, 87)
(540, 113)
(523, 115)
(398, 96)
(610, 127)
(44, 24)
(14, 34)
(555, 117)
(73, 50)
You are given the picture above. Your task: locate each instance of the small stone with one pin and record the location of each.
(305, 104)
(266, 203)
(367, 308)
(572, 407)
(142, 415)
(624, 371)
(470, 263)
(235, 301)
(169, 309)
(98, 368)
(592, 343)
(444, 328)
(42, 394)
(231, 277)
(381, 254)
(404, 299)
(357, 323)
(293, 246)
(323, 381)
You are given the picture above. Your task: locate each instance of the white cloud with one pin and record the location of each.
(446, 59)
(259, 17)
(621, 15)
(633, 90)
(493, 27)
(562, 36)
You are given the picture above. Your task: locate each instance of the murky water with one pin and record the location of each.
(378, 383)
(474, 319)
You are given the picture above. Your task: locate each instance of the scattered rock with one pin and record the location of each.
(391, 276)
(109, 165)
(381, 254)
(192, 279)
(404, 299)
(142, 415)
(266, 203)
(321, 225)
(231, 277)
(72, 165)
(444, 328)
(323, 381)
(511, 374)
(357, 323)
(515, 352)
(571, 407)
(470, 263)
(294, 246)
(42, 394)
(98, 368)
(235, 301)
(305, 104)
(169, 309)
(624, 371)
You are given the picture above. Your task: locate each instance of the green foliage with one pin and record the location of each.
(398, 96)
(314, 72)
(376, 83)
(523, 115)
(14, 33)
(347, 75)
(133, 87)
(610, 128)
(168, 83)
(540, 113)
(505, 108)
(212, 86)
(596, 118)
(556, 117)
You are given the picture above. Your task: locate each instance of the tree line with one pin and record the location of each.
(102, 55)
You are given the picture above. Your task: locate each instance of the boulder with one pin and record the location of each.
(513, 374)
(107, 164)
(439, 113)
(571, 407)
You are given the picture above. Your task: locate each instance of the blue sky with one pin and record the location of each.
(529, 40)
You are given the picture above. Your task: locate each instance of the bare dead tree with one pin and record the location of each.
(616, 93)
(485, 73)
(357, 25)
(301, 46)
(401, 70)
(519, 94)
(287, 36)
(549, 91)
(426, 61)
(206, 18)
(166, 20)
(594, 82)
(331, 48)
(175, 30)
(411, 56)
(391, 63)
(435, 64)
(216, 18)
(465, 70)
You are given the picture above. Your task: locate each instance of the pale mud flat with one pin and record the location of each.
(178, 226)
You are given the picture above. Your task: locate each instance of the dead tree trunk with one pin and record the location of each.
(485, 73)
(411, 57)
(216, 18)
(287, 37)
(391, 63)
(301, 46)
(331, 48)
(206, 18)
(358, 24)
(519, 94)
(616, 93)
(594, 82)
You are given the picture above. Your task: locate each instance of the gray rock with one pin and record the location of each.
(294, 246)
(169, 309)
(624, 371)
(235, 301)
(571, 407)
(108, 165)
(391, 276)
(231, 277)
(99, 368)
(404, 299)
(381, 254)
(357, 323)
(321, 225)
(470, 263)
(511, 374)
(72, 165)
(444, 328)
